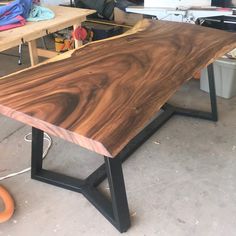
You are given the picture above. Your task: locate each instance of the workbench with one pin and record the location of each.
(64, 17)
(109, 97)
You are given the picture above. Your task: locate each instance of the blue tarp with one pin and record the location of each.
(10, 12)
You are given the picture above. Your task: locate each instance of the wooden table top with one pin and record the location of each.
(106, 92)
(64, 17)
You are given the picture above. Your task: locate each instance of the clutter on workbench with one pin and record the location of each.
(17, 12)
(14, 14)
(39, 13)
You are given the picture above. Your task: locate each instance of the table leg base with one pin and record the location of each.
(116, 209)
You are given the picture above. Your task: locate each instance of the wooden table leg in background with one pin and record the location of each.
(33, 52)
(78, 43)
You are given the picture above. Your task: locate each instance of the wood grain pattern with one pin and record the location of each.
(104, 93)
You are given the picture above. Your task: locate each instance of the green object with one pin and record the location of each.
(39, 13)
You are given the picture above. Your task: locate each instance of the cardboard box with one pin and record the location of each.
(125, 18)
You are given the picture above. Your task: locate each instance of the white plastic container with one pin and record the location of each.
(225, 78)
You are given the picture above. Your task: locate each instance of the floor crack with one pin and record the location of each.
(13, 132)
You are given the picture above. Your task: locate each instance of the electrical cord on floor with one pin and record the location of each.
(45, 152)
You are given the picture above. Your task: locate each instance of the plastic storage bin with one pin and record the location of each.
(225, 78)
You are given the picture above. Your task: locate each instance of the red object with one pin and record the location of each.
(79, 33)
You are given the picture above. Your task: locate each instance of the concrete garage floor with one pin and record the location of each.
(181, 182)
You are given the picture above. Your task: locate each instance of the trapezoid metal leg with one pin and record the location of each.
(213, 115)
(212, 91)
(118, 193)
(115, 210)
(36, 151)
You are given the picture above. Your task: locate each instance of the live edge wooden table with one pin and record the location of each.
(105, 97)
(64, 18)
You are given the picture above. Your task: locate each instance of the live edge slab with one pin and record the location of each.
(105, 93)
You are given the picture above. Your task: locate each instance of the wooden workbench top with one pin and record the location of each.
(106, 92)
(64, 17)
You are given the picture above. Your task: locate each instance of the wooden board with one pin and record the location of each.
(104, 93)
(3, 3)
(64, 17)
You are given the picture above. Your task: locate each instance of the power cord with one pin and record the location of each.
(27, 138)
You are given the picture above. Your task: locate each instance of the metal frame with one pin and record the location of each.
(116, 209)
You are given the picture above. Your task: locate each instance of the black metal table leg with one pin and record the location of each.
(116, 210)
(118, 193)
(212, 115)
(36, 151)
(212, 91)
